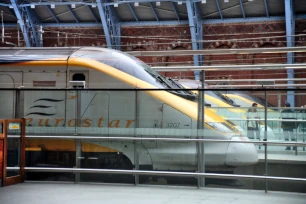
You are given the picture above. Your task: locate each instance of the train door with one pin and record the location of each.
(95, 111)
(77, 79)
(90, 107)
(7, 97)
(150, 112)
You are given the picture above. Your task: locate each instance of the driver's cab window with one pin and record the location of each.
(78, 81)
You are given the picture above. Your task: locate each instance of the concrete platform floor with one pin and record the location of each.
(62, 193)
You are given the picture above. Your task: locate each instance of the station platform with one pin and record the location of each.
(66, 193)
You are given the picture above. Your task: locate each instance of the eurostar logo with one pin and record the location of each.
(44, 110)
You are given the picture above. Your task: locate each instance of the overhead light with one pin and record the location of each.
(72, 5)
(157, 3)
(116, 5)
(179, 3)
(53, 6)
(33, 6)
(226, 1)
(250, 0)
(203, 1)
(136, 4)
(93, 5)
(11, 6)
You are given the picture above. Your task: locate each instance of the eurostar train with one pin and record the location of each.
(246, 99)
(232, 106)
(80, 107)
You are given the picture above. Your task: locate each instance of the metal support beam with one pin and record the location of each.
(72, 12)
(153, 9)
(53, 14)
(29, 24)
(196, 30)
(23, 29)
(35, 16)
(133, 12)
(32, 22)
(176, 12)
(267, 8)
(242, 8)
(219, 9)
(110, 23)
(290, 32)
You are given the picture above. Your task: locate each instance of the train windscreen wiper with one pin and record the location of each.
(187, 92)
(227, 99)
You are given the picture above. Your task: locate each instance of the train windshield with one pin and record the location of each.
(135, 67)
(219, 95)
(251, 97)
(215, 94)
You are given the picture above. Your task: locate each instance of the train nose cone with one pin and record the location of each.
(241, 154)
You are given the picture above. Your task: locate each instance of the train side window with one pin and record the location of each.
(79, 77)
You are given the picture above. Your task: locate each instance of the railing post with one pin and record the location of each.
(200, 145)
(265, 140)
(136, 149)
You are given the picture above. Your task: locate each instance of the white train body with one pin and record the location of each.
(114, 111)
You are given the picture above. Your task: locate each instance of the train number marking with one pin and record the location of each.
(172, 125)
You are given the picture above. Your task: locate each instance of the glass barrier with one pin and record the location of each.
(50, 153)
(158, 131)
(159, 121)
(108, 114)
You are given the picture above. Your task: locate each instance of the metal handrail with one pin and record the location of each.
(132, 138)
(157, 173)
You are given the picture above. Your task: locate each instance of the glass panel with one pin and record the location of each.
(164, 115)
(49, 112)
(161, 115)
(50, 153)
(13, 148)
(1, 128)
(113, 114)
(229, 117)
(289, 160)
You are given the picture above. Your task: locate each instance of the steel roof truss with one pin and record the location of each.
(175, 10)
(33, 22)
(219, 9)
(72, 12)
(153, 9)
(92, 13)
(242, 8)
(267, 8)
(111, 25)
(23, 27)
(52, 13)
(133, 12)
